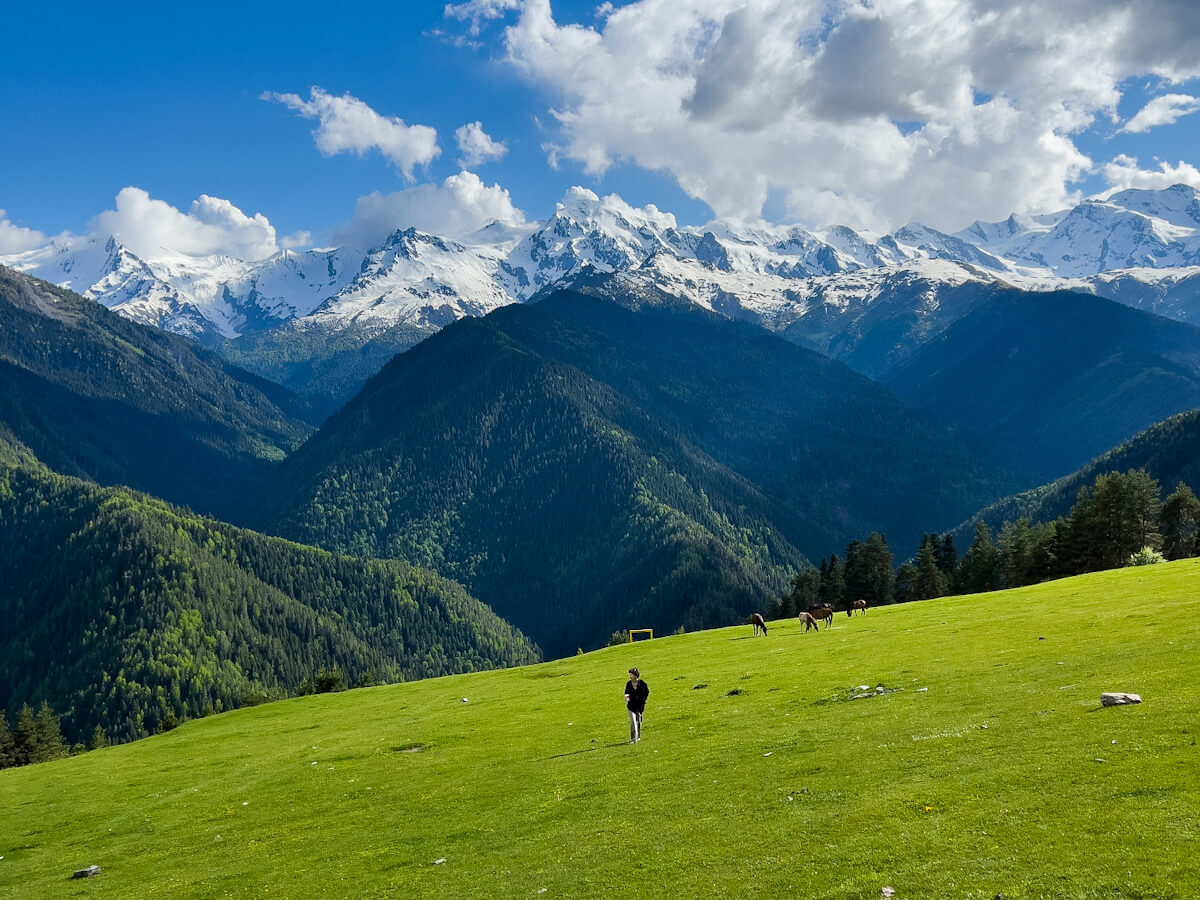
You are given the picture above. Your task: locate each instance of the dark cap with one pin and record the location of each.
(635, 673)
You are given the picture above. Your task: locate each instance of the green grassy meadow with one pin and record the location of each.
(756, 775)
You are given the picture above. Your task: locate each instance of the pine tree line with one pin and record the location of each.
(1119, 520)
(37, 737)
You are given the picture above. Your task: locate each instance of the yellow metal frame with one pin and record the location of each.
(633, 631)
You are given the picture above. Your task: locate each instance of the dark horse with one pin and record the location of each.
(758, 622)
(857, 604)
(824, 611)
(809, 622)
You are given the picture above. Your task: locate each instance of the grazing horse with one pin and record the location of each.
(758, 622)
(857, 604)
(809, 622)
(825, 611)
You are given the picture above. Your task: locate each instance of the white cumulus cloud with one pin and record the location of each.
(476, 12)
(154, 229)
(460, 205)
(1164, 110)
(477, 146)
(297, 240)
(1125, 172)
(15, 238)
(348, 125)
(869, 112)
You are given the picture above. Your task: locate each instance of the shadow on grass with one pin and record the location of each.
(584, 750)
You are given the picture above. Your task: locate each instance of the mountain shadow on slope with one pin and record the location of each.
(1058, 377)
(583, 468)
(125, 612)
(98, 396)
(878, 334)
(324, 366)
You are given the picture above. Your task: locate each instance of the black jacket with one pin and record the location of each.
(637, 696)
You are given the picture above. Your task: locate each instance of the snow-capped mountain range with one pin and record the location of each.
(1138, 247)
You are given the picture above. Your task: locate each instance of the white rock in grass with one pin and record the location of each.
(438, 862)
(1115, 698)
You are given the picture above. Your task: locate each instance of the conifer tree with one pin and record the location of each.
(6, 743)
(1114, 519)
(878, 561)
(805, 593)
(906, 579)
(25, 738)
(856, 574)
(930, 582)
(1016, 558)
(833, 582)
(979, 570)
(99, 739)
(948, 557)
(1181, 524)
(50, 739)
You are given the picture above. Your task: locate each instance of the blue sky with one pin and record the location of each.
(96, 98)
(137, 95)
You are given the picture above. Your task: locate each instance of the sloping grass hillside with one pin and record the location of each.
(986, 767)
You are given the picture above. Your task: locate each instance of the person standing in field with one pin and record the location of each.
(636, 692)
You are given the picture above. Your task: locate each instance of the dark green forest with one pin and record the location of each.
(98, 396)
(1057, 378)
(518, 482)
(128, 614)
(581, 467)
(1168, 451)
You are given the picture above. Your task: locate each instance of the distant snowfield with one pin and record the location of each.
(1138, 247)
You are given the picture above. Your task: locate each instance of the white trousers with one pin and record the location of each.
(635, 726)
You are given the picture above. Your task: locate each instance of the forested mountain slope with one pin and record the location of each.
(1169, 452)
(581, 467)
(125, 612)
(1055, 378)
(96, 395)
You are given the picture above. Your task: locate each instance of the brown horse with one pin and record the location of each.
(809, 622)
(758, 622)
(857, 604)
(824, 611)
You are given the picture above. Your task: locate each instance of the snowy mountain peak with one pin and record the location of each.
(411, 241)
(765, 271)
(1178, 205)
(610, 214)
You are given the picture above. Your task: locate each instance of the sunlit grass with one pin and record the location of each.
(757, 776)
